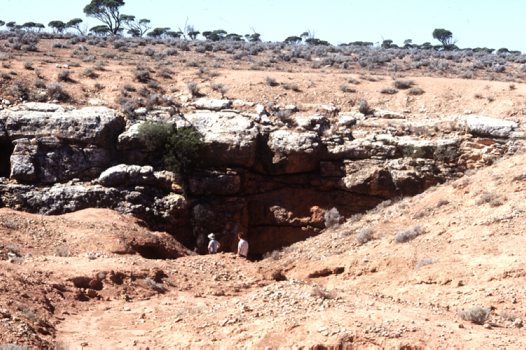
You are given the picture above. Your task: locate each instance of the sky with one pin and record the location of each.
(474, 23)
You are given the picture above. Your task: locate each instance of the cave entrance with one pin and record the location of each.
(6, 149)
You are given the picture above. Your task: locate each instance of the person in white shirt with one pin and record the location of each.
(213, 245)
(242, 246)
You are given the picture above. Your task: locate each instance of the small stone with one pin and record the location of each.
(260, 109)
(460, 325)
(487, 326)
(141, 111)
(518, 323)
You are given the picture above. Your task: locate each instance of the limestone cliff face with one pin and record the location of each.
(267, 177)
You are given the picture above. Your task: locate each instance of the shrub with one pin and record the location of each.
(158, 287)
(25, 41)
(364, 108)
(271, 81)
(409, 234)
(291, 86)
(129, 88)
(166, 73)
(332, 218)
(476, 314)
(403, 84)
(40, 84)
(128, 105)
(179, 147)
(490, 198)
(416, 91)
(19, 90)
(170, 51)
(193, 89)
(56, 92)
(364, 235)
(142, 75)
(219, 88)
(424, 262)
(100, 66)
(60, 46)
(149, 52)
(388, 91)
(90, 73)
(321, 293)
(64, 75)
(346, 88)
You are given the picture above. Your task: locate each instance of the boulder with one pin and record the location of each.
(65, 198)
(48, 160)
(260, 110)
(294, 152)
(53, 145)
(130, 147)
(484, 126)
(22, 161)
(124, 175)
(412, 176)
(316, 123)
(212, 104)
(369, 177)
(170, 206)
(346, 120)
(230, 138)
(87, 126)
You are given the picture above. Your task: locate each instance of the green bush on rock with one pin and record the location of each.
(178, 148)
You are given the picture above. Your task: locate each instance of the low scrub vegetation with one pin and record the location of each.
(55, 91)
(364, 235)
(403, 84)
(409, 234)
(193, 89)
(415, 91)
(363, 107)
(332, 218)
(424, 262)
(475, 314)
(492, 199)
(271, 82)
(388, 91)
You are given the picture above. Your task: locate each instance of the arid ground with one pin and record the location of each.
(443, 269)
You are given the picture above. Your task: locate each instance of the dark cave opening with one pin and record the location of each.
(6, 149)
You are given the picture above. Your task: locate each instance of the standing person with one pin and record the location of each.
(242, 246)
(213, 245)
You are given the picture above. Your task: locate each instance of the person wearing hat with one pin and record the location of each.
(213, 245)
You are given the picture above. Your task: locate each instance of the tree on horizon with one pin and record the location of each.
(106, 11)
